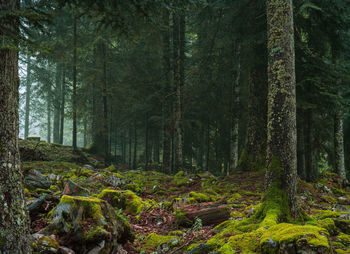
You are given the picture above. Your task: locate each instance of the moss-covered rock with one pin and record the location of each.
(282, 237)
(197, 197)
(153, 241)
(126, 200)
(45, 244)
(82, 221)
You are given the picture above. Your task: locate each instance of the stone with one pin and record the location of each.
(200, 249)
(73, 189)
(45, 244)
(65, 250)
(37, 180)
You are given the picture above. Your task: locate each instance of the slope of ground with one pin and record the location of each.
(112, 210)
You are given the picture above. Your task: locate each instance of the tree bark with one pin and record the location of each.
(74, 101)
(105, 106)
(14, 219)
(28, 95)
(177, 98)
(281, 172)
(234, 113)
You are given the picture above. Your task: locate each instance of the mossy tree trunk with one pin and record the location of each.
(14, 220)
(281, 172)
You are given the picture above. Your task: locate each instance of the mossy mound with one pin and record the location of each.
(164, 242)
(126, 200)
(285, 238)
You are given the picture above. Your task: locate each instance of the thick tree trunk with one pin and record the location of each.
(177, 98)
(339, 145)
(74, 99)
(63, 103)
(14, 220)
(234, 113)
(282, 133)
(57, 105)
(28, 95)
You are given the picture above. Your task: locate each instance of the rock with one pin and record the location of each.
(200, 249)
(99, 247)
(340, 208)
(344, 201)
(37, 180)
(342, 225)
(33, 139)
(82, 222)
(88, 167)
(73, 189)
(65, 250)
(45, 244)
(40, 205)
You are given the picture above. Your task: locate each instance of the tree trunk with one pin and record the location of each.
(63, 102)
(130, 144)
(339, 145)
(48, 113)
(14, 220)
(177, 98)
(105, 106)
(301, 151)
(234, 113)
(134, 165)
(281, 172)
(28, 95)
(146, 143)
(74, 101)
(57, 105)
(167, 91)
(311, 171)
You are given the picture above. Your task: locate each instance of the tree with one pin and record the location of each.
(281, 141)
(14, 221)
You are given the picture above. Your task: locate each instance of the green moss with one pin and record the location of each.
(344, 239)
(285, 233)
(339, 251)
(97, 234)
(175, 233)
(153, 240)
(197, 197)
(242, 243)
(234, 197)
(181, 219)
(126, 200)
(91, 205)
(329, 199)
(323, 214)
(327, 224)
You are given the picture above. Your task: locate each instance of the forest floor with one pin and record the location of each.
(77, 206)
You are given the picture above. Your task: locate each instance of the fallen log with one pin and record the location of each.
(208, 215)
